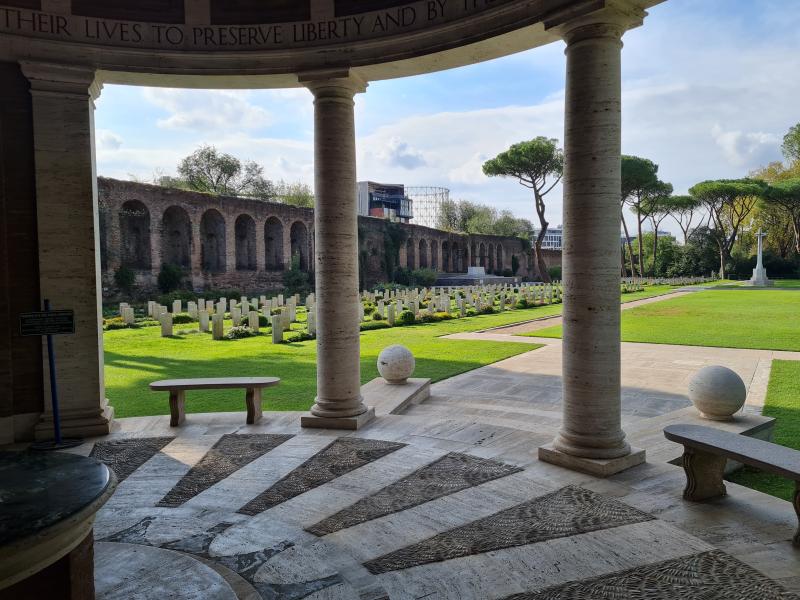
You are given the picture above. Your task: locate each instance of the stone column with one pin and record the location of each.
(339, 403)
(591, 437)
(68, 234)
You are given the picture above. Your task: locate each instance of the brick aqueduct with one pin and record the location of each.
(232, 242)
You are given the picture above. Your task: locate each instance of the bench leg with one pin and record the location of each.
(796, 503)
(253, 400)
(176, 408)
(704, 473)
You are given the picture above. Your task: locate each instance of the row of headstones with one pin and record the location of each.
(474, 297)
(667, 280)
(210, 315)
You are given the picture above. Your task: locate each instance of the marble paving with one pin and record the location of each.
(445, 501)
(227, 456)
(124, 456)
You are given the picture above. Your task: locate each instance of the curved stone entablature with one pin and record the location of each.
(248, 244)
(142, 42)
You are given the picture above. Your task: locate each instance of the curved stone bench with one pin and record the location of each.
(177, 393)
(706, 450)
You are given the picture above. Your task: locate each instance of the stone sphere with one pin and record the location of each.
(717, 392)
(396, 364)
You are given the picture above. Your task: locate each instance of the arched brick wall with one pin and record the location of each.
(250, 243)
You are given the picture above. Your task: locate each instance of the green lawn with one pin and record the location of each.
(135, 357)
(783, 403)
(787, 283)
(761, 319)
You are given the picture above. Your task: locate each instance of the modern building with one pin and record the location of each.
(552, 239)
(384, 200)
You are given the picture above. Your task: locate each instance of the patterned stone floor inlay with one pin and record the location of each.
(449, 474)
(711, 575)
(228, 455)
(566, 512)
(124, 456)
(340, 457)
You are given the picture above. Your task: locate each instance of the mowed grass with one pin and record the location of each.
(787, 283)
(136, 357)
(762, 319)
(783, 403)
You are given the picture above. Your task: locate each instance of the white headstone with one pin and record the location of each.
(203, 320)
(166, 325)
(176, 307)
(252, 320)
(217, 327)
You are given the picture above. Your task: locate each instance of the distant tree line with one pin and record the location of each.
(462, 216)
(210, 171)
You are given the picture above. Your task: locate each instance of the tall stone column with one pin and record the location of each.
(68, 234)
(591, 437)
(339, 403)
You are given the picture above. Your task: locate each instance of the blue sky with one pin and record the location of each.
(709, 89)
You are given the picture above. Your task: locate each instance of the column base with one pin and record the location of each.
(352, 423)
(599, 467)
(77, 423)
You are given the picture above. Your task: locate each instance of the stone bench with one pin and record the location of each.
(177, 393)
(706, 450)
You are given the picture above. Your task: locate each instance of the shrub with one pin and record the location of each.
(117, 323)
(523, 303)
(148, 323)
(124, 278)
(295, 281)
(299, 336)
(182, 319)
(488, 310)
(423, 277)
(406, 318)
(376, 316)
(555, 273)
(263, 321)
(369, 325)
(235, 333)
(402, 277)
(369, 308)
(436, 317)
(471, 312)
(169, 278)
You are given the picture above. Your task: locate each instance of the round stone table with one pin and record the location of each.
(48, 503)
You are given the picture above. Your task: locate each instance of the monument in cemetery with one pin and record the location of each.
(759, 277)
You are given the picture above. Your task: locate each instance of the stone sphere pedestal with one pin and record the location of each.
(717, 392)
(396, 364)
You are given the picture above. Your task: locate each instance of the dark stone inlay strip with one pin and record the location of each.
(341, 456)
(566, 512)
(295, 591)
(449, 474)
(125, 455)
(711, 575)
(228, 455)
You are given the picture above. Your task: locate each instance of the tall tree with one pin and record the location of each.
(791, 144)
(208, 170)
(297, 194)
(449, 216)
(729, 202)
(656, 205)
(639, 182)
(537, 164)
(683, 209)
(786, 195)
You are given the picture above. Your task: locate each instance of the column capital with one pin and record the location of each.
(611, 21)
(61, 79)
(333, 83)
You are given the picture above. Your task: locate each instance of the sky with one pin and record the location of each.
(709, 89)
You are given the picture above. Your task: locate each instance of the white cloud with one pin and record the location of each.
(204, 110)
(400, 154)
(743, 149)
(107, 140)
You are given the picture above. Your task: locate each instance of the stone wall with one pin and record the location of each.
(20, 357)
(247, 244)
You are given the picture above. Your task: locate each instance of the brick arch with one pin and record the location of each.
(176, 237)
(245, 232)
(423, 254)
(411, 253)
(134, 229)
(212, 242)
(273, 244)
(434, 249)
(299, 240)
